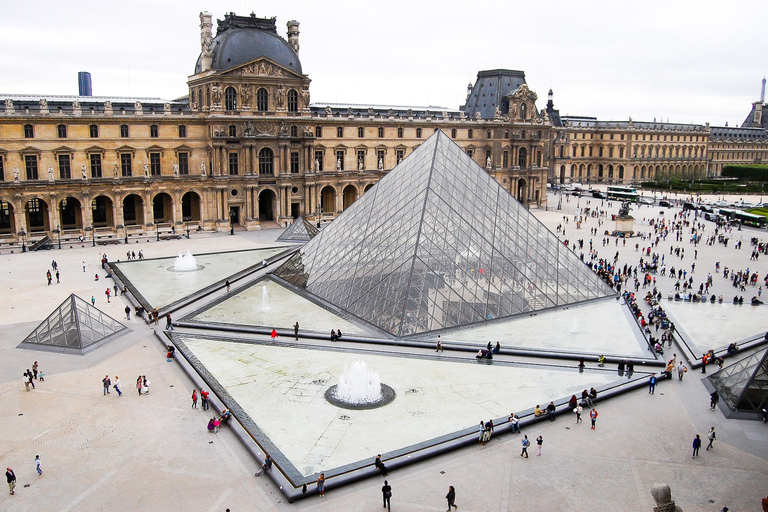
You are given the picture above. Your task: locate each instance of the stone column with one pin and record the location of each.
(53, 214)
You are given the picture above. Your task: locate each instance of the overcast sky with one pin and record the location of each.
(686, 61)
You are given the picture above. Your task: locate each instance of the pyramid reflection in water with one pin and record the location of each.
(438, 243)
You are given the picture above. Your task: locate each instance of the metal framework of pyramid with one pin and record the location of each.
(75, 327)
(436, 244)
(744, 384)
(300, 231)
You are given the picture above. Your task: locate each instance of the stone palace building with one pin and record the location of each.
(246, 148)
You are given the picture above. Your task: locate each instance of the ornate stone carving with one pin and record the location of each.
(305, 97)
(167, 109)
(328, 112)
(9, 106)
(108, 108)
(245, 96)
(202, 168)
(145, 167)
(83, 172)
(16, 174)
(488, 163)
(360, 165)
(663, 497)
(280, 96)
(138, 108)
(262, 68)
(381, 164)
(43, 106)
(50, 173)
(283, 129)
(317, 165)
(114, 171)
(75, 105)
(216, 95)
(338, 164)
(176, 169)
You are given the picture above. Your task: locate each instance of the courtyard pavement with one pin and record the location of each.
(153, 452)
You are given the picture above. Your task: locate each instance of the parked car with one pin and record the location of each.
(645, 200)
(665, 203)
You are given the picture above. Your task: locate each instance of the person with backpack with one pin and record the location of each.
(526, 443)
(711, 436)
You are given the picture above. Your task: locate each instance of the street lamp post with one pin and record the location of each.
(22, 234)
(58, 233)
(93, 235)
(186, 222)
(157, 230)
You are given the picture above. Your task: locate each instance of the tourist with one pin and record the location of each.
(194, 399)
(386, 494)
(514, 420)
(212, 425)
(334, 337)
(116, 385)
(274, 334)
(696, 445)
(539, 442)
(451, 497)
(155, 315)
(526, 443)
(127, 312)
(338, 334)
(711, 436)
(439, 346)
(168, 322)
(139, 383)
(35, 366)
(204, 399)
(593, 417)
(601, 361)
(592, 395)
(573, 402)
(497, 348)
(266, 466)
(296, 331)
(144, 385)
(10, 477)
(652, 384)
(228, 285)
(714, 398)
(48, 276)
(481, 439)
(681, 369)
(93, 300)
(578, 410)
(551, 411)
(321, 485)
(537, 411)
(108, 292)
(378, 464)
(38, 465)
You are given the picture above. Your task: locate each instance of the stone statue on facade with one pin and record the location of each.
(283, 129)
(137, 107)
(50, 173)
(43, 104)
(360, 165)
(16, 174)
(176, 169)
(202, 168)
(216, 94)
(114, 171)
(8, 105)
(146, 170)
(83, 172)
(305, 97)
(75, 105)
(663, 497)
(245, 94)
(280, 96)
(381, 163)
(488, 163)
(328, 112)
(317, 165)
(338, 164)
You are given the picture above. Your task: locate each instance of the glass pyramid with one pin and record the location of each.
(74, 327)
(300, 231)
(744, 384)
(438, 243)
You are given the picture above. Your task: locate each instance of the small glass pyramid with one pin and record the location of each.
(744, 384)
(438, 243)
(74, 327)
(300, 231)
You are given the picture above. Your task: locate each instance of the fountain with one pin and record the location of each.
(359, 388)
(185, 263)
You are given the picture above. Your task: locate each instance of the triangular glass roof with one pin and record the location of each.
(744, 384)
(300, 231)
(438, 243)
(75, 327)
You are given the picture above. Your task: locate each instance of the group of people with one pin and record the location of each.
(30, 376)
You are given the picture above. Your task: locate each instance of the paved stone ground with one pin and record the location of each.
(153, 452)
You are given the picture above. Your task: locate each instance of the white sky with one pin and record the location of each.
(682, 60)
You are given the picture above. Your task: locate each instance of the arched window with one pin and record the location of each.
(266, 161)
(522, 111)
(522, 158)
(230, 98)
(262, 100)
(293, 101)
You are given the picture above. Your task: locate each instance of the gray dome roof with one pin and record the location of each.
(236, 44)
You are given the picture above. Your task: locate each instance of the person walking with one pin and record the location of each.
(481, 439)
(10, 477)
(228, 285)
(168, 323)
(93, 300)
(451, 497)
(117, 386)
(296, 331)
(711, 436)
(439, 346)
(578, 410)
(139, 384)
(38, 465)
(194, 399)
(593, 417)
(35, 366)
(144, 385)
(386, 494)
(714, 398)
(652, 385)
(321, 485)
(696, 445)
(204, 399)
(526, 443)
(539, 442)
(107, 292)
(681, 369)
(274, 334)
(58, 277)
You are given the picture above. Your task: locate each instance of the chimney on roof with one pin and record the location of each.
(84, 83)
(293, 35)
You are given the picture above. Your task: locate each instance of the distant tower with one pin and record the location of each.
(84, 83)
(550, 103)
(469, 90)
(762, 92)
(293, 35)
(757, 108)
(206, 40)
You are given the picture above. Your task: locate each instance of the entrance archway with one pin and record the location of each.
(102, 212)
(36, 213)
(7, 218)
(350, 196)
(522, 186)
(133, 210)
(328, 199)
(190, 207)
(162, 208)
(267, 205)
(70, 213)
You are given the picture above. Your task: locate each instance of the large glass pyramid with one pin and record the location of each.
(744, 384)
(438, 243)
(74, 327)
(300, 231)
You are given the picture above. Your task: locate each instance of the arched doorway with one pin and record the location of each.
(7, 219)
(190, 207)
(522, 186)
(102, 212)
(328, 199)
(267, 205)
(36, 213)
(162, 208)
(350, 196)
(70, 213)
(133, 210)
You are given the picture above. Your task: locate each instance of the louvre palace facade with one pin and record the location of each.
(247, 149)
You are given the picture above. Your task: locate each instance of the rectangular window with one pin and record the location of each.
(233, 170)
(94, 131)
(95, 165)
(65, 171)
(488, 134)
(318, 131)
(470, 133)
(453, 133)
(418, 133)
(30, 162)
(582, 150)
(318, 160)
(360, 159)
(340, 160)
(29, 131)
(294, 162)
(182, 131)
(153, 131)
(62, 131)
(621, 152)
(400, 154)
(505, 159)
(124, 131)
(183, 163)
(340, 132)
(600, 151)
(399, 133)
(590, 150)
(610, 152)
(2, 169)
(381, 132)
(360, 132)
(471, 153)
(126, 164)
(154, 164)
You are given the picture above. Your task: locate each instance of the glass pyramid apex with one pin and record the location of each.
(438, 243)
(300, 231)
(74, 327)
